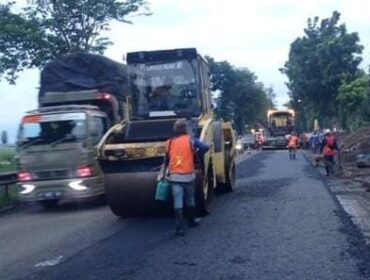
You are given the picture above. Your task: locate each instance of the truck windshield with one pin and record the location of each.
(164, 89)
(49, 128)
(281, 120)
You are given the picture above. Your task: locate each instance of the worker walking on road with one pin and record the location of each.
(329, 149)
(293, 145)
(180, 160)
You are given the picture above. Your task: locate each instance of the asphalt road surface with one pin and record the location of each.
(281, 222)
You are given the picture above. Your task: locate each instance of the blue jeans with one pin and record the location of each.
(181, 190)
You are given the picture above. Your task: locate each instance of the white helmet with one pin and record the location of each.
(327, 131)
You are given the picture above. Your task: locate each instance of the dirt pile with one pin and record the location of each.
(352, 144)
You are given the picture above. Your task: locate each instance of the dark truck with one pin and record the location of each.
(280, 125)
(81, 96)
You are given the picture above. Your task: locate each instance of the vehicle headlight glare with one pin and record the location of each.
(27, 188)
(76, 185)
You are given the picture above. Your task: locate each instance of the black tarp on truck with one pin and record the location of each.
(82, 71)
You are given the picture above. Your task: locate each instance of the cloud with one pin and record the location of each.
(252, 34)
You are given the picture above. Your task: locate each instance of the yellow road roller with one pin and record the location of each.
(165, 85)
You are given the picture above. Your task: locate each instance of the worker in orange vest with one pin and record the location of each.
(293, 145)
(260, 140)
(329, 149)
(180, 161)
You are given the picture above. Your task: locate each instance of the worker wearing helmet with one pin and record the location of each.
(293, 145)
(180, 160)
(329, 148)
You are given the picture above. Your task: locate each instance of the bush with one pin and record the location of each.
(7, 162)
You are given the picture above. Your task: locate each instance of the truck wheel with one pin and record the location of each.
(204, 203)
(218, 137)
(230, 180)
(49, 204)
(230, 185)
(132, 194)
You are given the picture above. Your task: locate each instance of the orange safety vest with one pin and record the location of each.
(260, 139)
(181, 155)
(329, 147)
(293, 142)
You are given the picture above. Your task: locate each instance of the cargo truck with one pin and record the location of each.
(81, 96)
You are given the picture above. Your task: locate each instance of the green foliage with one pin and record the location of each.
(241, 98)
(46, 29)
(318, 63)
(7, 162)
(354, 100)
(8, 197)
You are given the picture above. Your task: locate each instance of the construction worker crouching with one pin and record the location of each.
(180, 159)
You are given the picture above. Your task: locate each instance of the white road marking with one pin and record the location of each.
(51, 262)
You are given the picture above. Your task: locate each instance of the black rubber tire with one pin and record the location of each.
(49, 204)
(204, 204)
(132, 194)
(199, 194)
(230, 184)
(218, 137)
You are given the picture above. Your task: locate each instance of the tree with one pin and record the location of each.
(318, 64)
(271, 97)
(45, 29)
(241, 98)
(354, 100)
(4, 137)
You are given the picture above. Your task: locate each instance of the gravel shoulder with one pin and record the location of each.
(353, 194)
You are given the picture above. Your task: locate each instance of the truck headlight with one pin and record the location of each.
(77, 185)
(27, 188)
(239, 146)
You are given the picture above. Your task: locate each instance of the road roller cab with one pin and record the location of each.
(164, 86)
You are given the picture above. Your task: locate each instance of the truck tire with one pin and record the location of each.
(230, 179)
(132, 194)
(204, 204)
(218, 137)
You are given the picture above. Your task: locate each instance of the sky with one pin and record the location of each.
(252, 34)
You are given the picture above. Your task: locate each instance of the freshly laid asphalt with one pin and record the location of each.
(281, 222)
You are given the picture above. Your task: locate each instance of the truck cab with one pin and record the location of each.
(57, 154)
(280, 126)
(81, 96)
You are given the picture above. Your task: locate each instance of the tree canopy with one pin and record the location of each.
(46, 29)
(354, 102)
(240, 97)
(319, 62)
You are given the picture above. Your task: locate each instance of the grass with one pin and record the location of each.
(7, 198)
(7, 162)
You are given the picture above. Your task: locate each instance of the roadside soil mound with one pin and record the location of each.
(352, 144)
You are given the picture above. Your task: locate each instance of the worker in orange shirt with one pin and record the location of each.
(180, 161)
(293, 145)
(329, 148)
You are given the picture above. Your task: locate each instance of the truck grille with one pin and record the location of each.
(52, 174)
